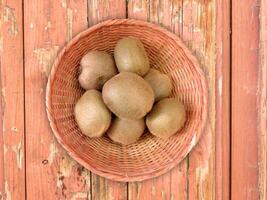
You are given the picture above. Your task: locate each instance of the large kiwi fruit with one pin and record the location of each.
(130, 55)
(126, 131)
(91, 114)
(160, 83)
(128, 96)
(166, 118)
(96, 68)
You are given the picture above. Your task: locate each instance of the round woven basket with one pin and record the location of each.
(150, 156)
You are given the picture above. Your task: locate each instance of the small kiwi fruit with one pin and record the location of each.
(96, 68)
(91, 114)
(126, 131)
(160, 83)
(130, 55)
(166, 118)
(128, 96)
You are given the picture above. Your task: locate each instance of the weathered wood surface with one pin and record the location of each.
(245, 76)
(194, 21)
(12, 155)
(34, 166)
(223, 88)
(199, 32)
(262, 102)
(51, 174)
(169, 15)
(98, 11)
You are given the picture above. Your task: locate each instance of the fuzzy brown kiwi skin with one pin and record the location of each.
(166, 118)
(160, 83)
(126, 131)
(91, 114)
(128, 96)
(96, 67)
(130, 55)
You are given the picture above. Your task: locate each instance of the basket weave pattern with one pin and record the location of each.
(150, 156)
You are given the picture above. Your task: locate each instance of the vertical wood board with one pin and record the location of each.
(12, 159)
(223, 88)
(51, 173)
(98, 11)
(245, 76)
(262, 102)
(172, 185)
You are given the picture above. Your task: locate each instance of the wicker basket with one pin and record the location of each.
(150, 156)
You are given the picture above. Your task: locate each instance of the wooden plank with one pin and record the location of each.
(172, 185)
(245, 77)
(199, 28)
(197, 25)
(262, 102)
(12, 176)
(223, 100)
(51, 173)
(100, 10)
(2, 180)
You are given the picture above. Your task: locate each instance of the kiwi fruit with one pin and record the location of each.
(126, 131)
(96, 68)
(128, 96)
(166, 118)
(160, 83)
(91, 114)
(130, 55)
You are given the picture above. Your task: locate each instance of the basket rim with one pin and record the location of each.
(73, 154)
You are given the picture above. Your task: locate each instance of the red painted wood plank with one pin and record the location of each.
(197, 26)
(262, 102)
(245, 122)
(223, 101)
(2, 164)
(12, 184)
(50, 172)
(172, 185)
(199, 29)
(100, 10)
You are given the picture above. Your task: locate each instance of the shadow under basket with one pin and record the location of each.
(149, 156)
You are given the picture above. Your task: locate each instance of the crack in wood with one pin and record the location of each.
(19, 154)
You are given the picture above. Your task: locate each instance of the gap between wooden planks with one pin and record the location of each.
(61, 177)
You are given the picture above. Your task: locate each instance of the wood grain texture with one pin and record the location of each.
(199, 28)
(223, 88)
(262, 102)
(104, 189)
(101, 10)
(172, 185)
(245, 77)
(195, 22)
(12, 175)
(51, 173)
